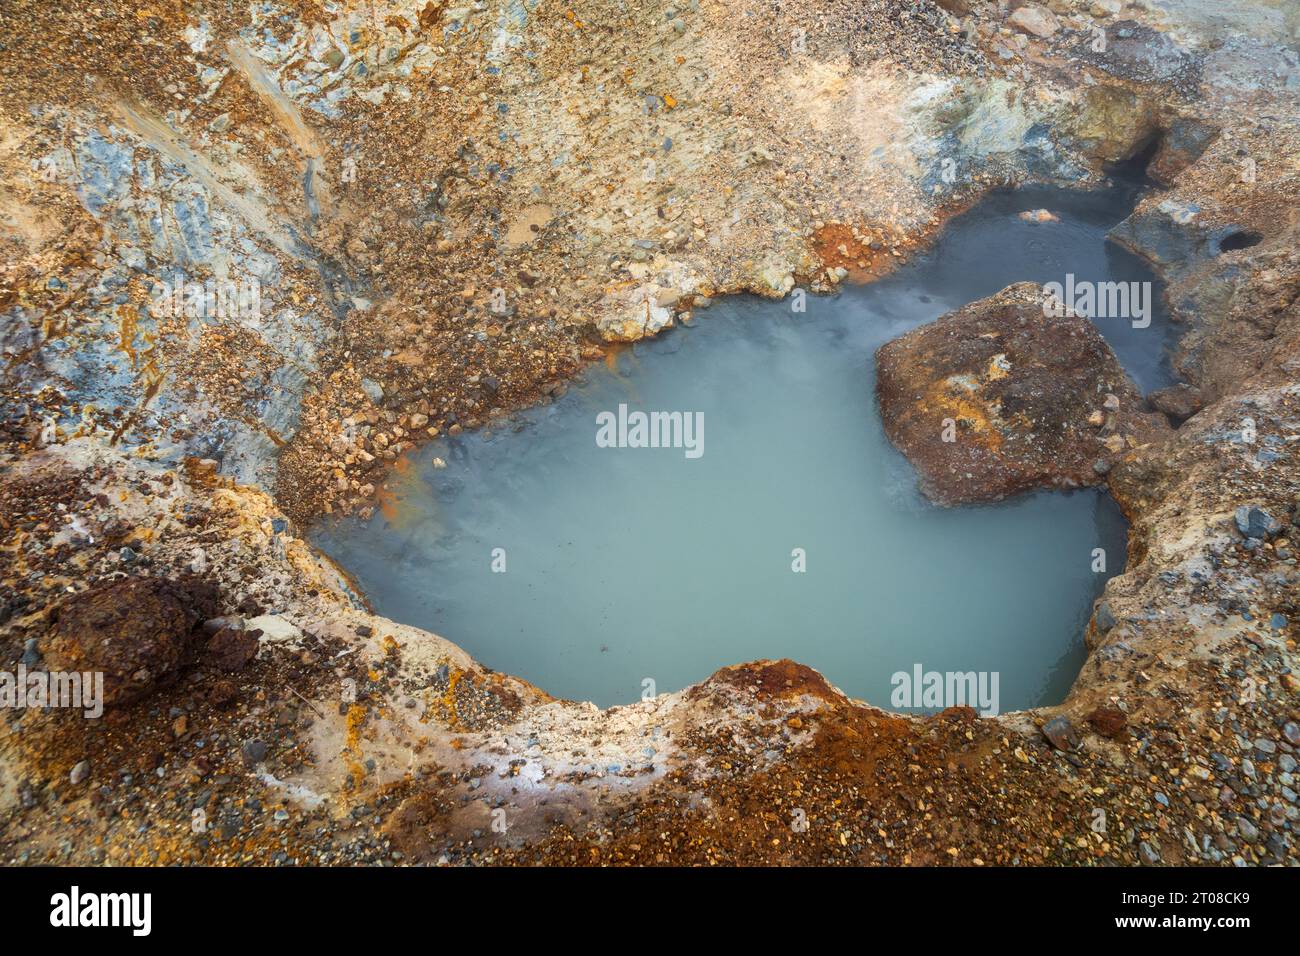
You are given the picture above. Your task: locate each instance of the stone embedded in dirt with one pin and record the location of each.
(233, 649)
(222, 693)
(138, 631)
(1255, 522)
(1061, 734)
(1034, 19)
(1108, 721)
(254, 751)
(1183, 143)
(214, 624)
(1180, 402)
(998, 398)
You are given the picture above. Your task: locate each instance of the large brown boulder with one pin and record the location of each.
(140, 632)
(998, 398)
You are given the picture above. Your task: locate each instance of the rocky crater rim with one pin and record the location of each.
(1151, 146)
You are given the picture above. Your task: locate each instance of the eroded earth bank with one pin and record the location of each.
(447, 210)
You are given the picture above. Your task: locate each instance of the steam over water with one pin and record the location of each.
(627, 564)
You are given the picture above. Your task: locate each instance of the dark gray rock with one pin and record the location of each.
(254, 751)
(1255, 522)
(1104, 617)
(1061, 733)
(31, 652)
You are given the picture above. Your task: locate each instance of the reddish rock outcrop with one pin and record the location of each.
(137, 631)
(998, 398)
(232, 649)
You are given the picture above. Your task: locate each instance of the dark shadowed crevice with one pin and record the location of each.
(1240, 239)
(1135, 169)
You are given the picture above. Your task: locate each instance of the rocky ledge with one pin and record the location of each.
(1002, 397)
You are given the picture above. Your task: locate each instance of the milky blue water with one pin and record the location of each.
(628, 565)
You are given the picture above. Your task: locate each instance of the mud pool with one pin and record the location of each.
(591, 571)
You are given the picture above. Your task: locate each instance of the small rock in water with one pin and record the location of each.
(80, 772)
(1148, 853)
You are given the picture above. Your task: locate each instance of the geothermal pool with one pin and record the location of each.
(601, 573)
